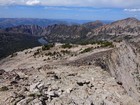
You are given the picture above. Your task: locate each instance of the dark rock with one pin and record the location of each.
(17, 78)
(82, 83)
(2, 71)
(119, 83)
(13, 82)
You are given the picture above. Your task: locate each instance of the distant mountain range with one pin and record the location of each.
(17, 37)
(12, 22)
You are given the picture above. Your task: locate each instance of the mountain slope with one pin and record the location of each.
(64, 33)
(10, 43)
(122, 29)
(129, 26)
(32, 30)
(93, 25)
(26, 36)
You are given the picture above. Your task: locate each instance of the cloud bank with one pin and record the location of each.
(76, 3)
(132, 10)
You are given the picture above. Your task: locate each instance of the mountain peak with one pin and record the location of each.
(132, 18)
(129, 26)
(133, 22)
(94, 24)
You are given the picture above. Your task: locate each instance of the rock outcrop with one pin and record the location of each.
(124, 65)
(122, 62)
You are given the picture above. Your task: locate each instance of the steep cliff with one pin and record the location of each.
(124, 65)
(122, 62)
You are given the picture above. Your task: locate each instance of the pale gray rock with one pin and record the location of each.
(25, 101)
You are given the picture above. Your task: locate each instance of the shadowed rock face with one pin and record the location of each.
(12, 42)
(124, 65)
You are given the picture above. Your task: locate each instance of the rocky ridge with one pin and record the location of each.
(30, 78)
(129, 26)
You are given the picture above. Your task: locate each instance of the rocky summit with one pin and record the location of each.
(68, 75)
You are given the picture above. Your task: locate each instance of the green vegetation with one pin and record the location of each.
(67, 45)
(53, 53)
(37, 52)
(105, 44)
(87, 50)
(4, 88)
(47, 47)
(101, 43)
(65, 51)
(49, 54)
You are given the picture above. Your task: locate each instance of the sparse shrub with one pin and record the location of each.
(49, 54)
(83, 43)
(4, 88)
(86, 42)
(36, 53)
(87, 50)
(32, 95)
(65, 51)
(101, 43)
(47, 47)
(67, 45)
(13, 55)
(26, 52)
(38, 49)
(107, 44)
(54, 53)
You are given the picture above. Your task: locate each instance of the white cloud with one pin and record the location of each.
(132, 10)
(33, 2)
(76, 3)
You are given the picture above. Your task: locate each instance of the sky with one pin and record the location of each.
(70, 9)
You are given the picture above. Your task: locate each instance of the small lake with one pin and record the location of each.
(43, 41)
